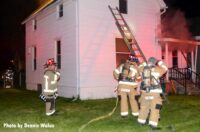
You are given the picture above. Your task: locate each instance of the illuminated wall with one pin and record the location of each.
(87, 32)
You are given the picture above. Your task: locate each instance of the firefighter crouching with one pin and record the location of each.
(150, 100)
(127, 75)
(51, 78)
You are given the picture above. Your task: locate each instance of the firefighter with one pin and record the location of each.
(51, 78)
(150, 100)
(127, 75)
(8, 78)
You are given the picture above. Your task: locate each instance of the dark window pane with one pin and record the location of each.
(175, 62)
(174, 53)
(60, 10)
(35, 65)
(123, 6)
(34, 52)
(34, 59)
(59, 61)
(58, 54)
(35, 24)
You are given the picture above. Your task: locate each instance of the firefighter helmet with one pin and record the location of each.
(152, 61)
(50, 62)
(133, 58)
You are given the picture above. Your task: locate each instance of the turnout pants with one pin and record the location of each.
(50, 105)
(150, 104)
(126, 94)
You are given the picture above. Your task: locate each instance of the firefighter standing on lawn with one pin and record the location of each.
(51, 78)
(127, 75)
(150, 100)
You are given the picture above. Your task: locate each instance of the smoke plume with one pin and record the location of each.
(174, 25)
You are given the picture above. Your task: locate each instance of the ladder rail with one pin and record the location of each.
(120, 29)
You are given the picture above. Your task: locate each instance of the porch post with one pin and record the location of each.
(166, 60)
(195, 61)
(192, 60)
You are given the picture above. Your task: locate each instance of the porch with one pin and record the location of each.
(182, 75)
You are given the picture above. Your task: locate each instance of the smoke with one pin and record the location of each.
(174, 25)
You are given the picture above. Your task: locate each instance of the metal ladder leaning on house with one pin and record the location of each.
(127, 35)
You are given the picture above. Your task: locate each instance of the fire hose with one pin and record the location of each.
(100, 117)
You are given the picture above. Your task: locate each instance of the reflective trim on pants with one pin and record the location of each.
(141, 121)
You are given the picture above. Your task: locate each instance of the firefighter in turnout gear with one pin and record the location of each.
(51, 78)
(127, 75)
(150, 100)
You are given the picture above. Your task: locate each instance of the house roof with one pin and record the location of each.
(42, 7)
(173, 43)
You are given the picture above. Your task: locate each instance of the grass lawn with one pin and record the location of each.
(24, 107)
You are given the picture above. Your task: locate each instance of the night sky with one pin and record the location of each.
(11, 31)
(191, 8)
(13, 12)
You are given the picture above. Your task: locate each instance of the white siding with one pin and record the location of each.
(97, 49)
(143, 17)
(50, 29)
(97, 45)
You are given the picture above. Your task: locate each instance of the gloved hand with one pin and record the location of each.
(42, 97)
(56, 95)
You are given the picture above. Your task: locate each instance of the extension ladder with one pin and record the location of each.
(127, 35)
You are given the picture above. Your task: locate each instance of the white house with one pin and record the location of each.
(83, 38)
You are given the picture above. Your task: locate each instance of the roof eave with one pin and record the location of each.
(178, 41)
(38, 10)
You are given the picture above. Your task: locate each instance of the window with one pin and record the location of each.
(123, 6)
(34, 61)
(122, 51)
(34, 24)
(60, 10)
(58, 53)
(174, 58)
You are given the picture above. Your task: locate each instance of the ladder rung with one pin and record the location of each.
(135, 49)
(138, 55)
(122, 25)
(119, 19)
(116, 14)
(126, 31)
(133, 43)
